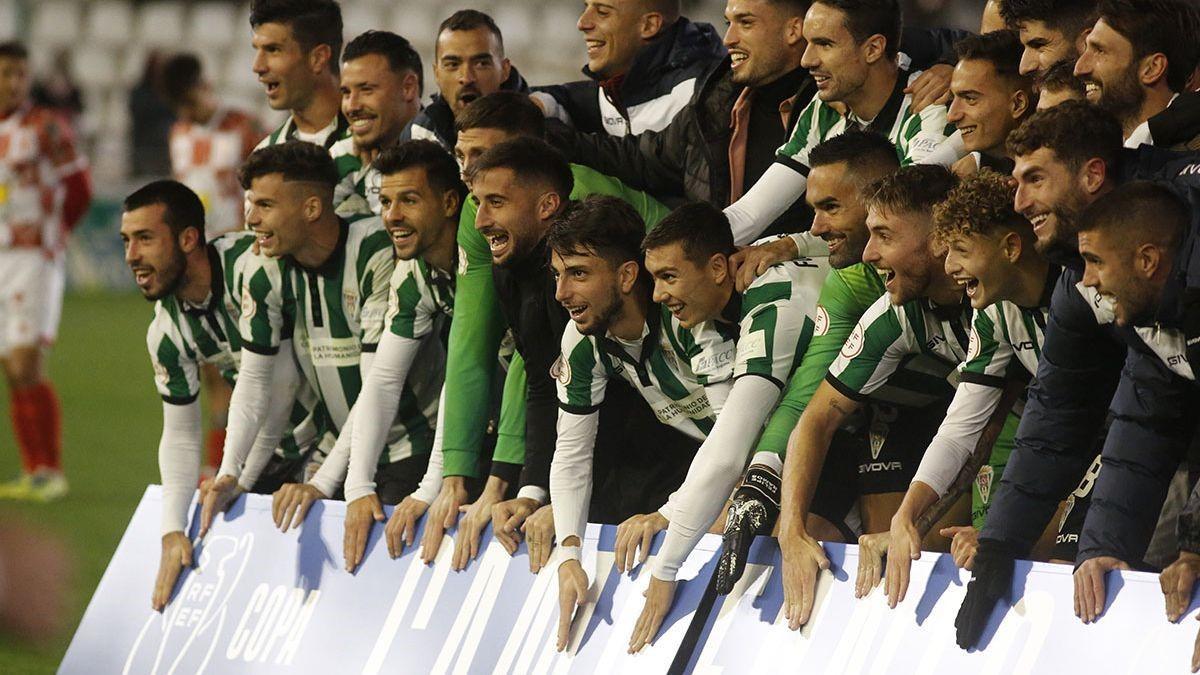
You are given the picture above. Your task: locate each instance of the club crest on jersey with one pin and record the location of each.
(821, 321)
(983, 481)
(248, 304)
(854, 344)
(560, 370)
(350, 302)
(161, 374)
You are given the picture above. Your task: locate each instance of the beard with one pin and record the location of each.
(172, 275)
(1124, 97)
(606, 315)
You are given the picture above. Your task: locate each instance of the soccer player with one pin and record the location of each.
(297, 44)
(991, 253)
(45, 189)
(420, 199)
(1050, 30)
(990, 99)
(1059, 84)
(771, 324)
(199, 319)
(853, 56)
(382, 81)
(921, 316)
(1136, 64)
(469, 63)
(617, 331)
(524, 444)
(644, 62)
(209, 141)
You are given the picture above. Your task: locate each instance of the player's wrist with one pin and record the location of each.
(571, 555)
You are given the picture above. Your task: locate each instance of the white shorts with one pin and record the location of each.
(31, 290)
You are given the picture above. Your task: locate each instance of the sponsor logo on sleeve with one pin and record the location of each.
(973, 346)
(821, 321)
(560, 370)
(854, 344)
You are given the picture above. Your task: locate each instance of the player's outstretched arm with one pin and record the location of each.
(176, 555)
(475, 518)
(179, 463)
(803, 557)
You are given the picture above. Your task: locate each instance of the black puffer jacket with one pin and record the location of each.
(435, 122)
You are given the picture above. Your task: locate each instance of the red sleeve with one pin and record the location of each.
(58, 144)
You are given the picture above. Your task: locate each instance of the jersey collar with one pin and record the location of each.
(216, 293)
(610, 346)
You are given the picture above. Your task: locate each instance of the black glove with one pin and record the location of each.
(991, 582)
(753, 512)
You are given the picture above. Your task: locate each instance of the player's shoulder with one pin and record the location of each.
(575, 344)
(164, 325)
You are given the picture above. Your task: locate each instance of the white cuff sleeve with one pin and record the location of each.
(431, 482)
(809, 245)
(778, 188)
(333, 470)
(715, 471)
(571, 473)
(551, 107)
(179, 454)
(947, 152)
(957, 436)
(535, 493)
(376, 410)
(248, 408)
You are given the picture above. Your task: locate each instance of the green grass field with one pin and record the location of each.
(112, 421)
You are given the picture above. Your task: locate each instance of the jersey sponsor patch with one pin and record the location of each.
(753, 346)
(854, 344)
(821, 321)
(712, 363)
(334, 351)
(560, 370)
(694, 406)
(983, 481)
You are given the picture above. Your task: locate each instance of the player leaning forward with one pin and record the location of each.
(200, 318)
(681, 356)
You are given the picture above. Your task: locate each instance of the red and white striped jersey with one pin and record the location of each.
(206, 157)
(37, 152)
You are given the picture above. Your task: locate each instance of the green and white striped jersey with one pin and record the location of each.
(183, 336)
(338, 129)
(657, 365)
(928, 342)
(341, 309)
(1004, 335)
(357, 192)
(915, 135)
(421, 300)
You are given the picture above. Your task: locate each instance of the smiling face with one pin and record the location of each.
(1050, 195)
(512, 216)
(152, 252)
(470, 64)
(760, 38)
(984, 108)
(589, 288)
(839, 216)
(415, 215)
(376, 100)
(1044, 47)
(14, 83)
(983, 265)
(612, 34)
(832, 57)
(282, 67)
(1110, 72)
(900, 245)
(471, 145)
(693, 293)
(279, 213)
(1111, 270)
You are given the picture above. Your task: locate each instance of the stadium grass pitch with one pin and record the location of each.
(112, 419)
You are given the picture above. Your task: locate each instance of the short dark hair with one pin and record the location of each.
(600, 225)
(1060, 76)
(981, 204)
(295, 160)
(14, 49)
(865, 18)
(699, 227)
(868, 153)
(313, 22)
(471, 19)
(440, 169)
(181, 74)
(1139, 211)
(508, 111)
(398, 51)
(529, 158)
(1001, 48)
(181, 207)
(1169, 27)
(1075, 131)
(1069, 17)
(912, 189)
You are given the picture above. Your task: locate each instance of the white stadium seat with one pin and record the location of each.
(56, 22)
(110, 22)
(517, 23)
(8, 19)
(358, 18)
(96, 65)
(419, 24)
(160, 24)
(212, 25)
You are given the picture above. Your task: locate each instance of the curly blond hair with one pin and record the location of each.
(981, 204)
